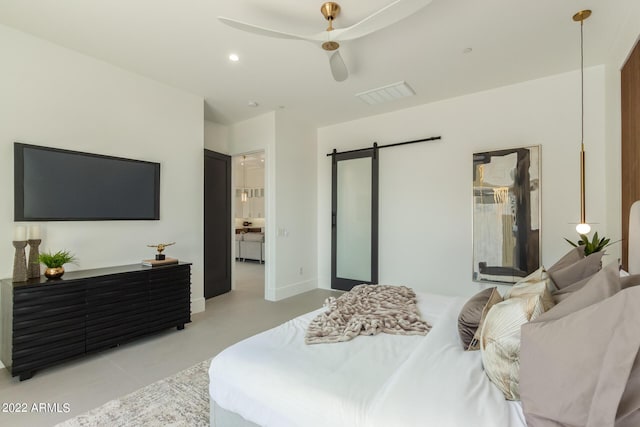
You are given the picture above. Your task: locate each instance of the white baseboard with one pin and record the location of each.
(197, 305)
(293, 289)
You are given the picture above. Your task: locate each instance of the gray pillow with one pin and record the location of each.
(562, 294)
(581, 369)
(602, 285)
(577, 271)
(629, 281)
(574, 255)
(629, 410)
(470, 315)
(494, 298)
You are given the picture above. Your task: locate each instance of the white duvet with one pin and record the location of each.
(275, 379)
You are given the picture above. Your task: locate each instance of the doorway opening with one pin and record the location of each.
(249, 222)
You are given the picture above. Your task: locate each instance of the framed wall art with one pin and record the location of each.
(506, 214)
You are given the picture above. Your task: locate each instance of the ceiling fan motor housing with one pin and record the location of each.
(330, 10)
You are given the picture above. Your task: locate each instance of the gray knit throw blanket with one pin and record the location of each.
(367, 310)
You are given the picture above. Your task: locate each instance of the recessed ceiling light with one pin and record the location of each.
(252, 104)
(234, 57)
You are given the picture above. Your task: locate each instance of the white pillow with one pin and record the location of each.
(538, 276)
(500, 341)
(531, 289)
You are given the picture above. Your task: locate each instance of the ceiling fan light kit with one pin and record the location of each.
(330, 38)
(330, 46)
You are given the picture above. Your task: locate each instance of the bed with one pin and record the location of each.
(275, 379)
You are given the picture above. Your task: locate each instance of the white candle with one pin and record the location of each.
(34, 232)
(20, 233)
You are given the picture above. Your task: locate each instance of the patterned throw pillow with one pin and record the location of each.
(531, 289)
(500, 340)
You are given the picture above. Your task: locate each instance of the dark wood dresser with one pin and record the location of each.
(45, 322)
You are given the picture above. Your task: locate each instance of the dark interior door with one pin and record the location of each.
(217, 223)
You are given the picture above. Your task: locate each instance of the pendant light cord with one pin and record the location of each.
(582, 85)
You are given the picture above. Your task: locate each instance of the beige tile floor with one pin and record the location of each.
(89, 382)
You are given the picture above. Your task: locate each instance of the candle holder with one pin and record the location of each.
(33, 268)
(20, 261)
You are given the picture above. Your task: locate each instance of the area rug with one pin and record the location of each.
(180, 400)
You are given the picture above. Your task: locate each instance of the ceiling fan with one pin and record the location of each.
(390, 14)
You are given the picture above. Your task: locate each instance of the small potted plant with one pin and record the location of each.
(55, 263)
(592, 246)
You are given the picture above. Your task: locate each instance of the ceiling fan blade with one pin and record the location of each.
(388, 15)
(256, 29)
(338, 69)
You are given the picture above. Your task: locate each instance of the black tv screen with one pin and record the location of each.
(61, 185)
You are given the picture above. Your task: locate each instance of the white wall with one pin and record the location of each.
(613, 138)
(296, 183)
(216, 137)
(255, 134)
(56, 97)
(290, 186)
(425, 189)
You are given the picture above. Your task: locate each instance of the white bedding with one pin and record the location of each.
(275, 379)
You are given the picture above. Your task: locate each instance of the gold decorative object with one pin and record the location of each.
(160, 247)
(19, 261)
(583, 227)
(55, 262)
(54, 272)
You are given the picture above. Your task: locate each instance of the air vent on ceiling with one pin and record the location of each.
(386, 93)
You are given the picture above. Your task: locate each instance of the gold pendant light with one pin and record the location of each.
(583, 227)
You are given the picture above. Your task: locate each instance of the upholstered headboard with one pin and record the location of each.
(634, 239)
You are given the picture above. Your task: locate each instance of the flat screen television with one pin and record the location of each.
(52, 184)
